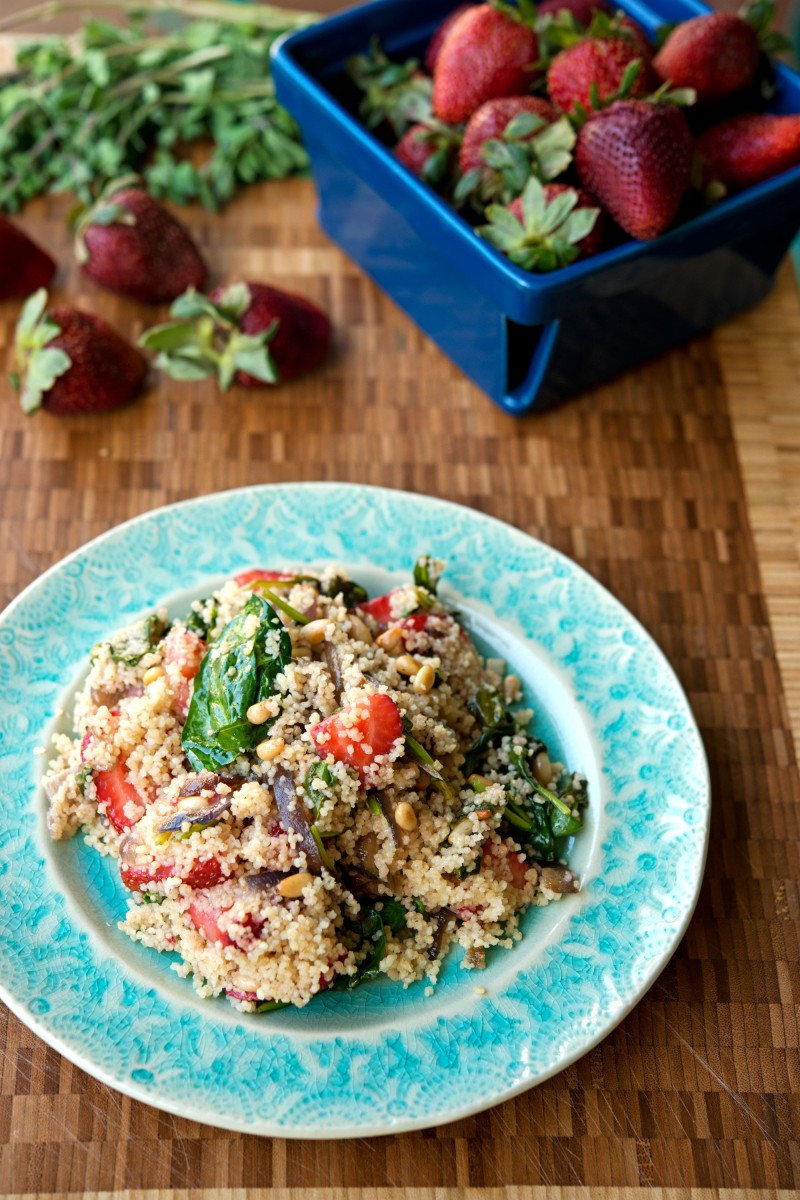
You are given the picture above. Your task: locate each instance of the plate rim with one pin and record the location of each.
(189, 1110)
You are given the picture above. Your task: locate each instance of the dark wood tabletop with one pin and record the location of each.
(678, 487)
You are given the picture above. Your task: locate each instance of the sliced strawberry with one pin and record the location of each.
(203, 873)
(261, 575)
(358, 735)
(186, 651)
(122, 803)
(380, 608)
(205, 918)
(510, 866)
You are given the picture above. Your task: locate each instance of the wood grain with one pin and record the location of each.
(696, 1093)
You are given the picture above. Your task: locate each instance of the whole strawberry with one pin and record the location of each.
(72, 362)
(127, 242)
(505, 142)
(491, 121)
(24, 266)
(486, 53)
(636, 158)
(245, 333)
(594, 71)
(716, 55)
(437, 41)
(547, 227)
(429, 151)
(749, 148)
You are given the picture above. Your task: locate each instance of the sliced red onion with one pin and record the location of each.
(293, 816)
(441, 918)
(331, 656)
(265, 880)
(204, 818)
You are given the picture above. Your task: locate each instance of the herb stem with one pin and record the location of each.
(271, 598)
(262, 16)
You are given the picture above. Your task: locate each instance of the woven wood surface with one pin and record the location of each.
(677, 487)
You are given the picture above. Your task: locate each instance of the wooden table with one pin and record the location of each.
(678, 486)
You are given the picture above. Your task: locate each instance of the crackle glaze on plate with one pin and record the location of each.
(381, 1059)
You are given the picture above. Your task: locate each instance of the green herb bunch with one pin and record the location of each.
(119, 98)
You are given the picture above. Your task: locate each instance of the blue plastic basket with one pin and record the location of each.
(528, 340)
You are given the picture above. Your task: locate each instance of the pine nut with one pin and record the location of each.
(390, 639)
(483, 814)
(314, 632)
(270, 749)
(152, 674)
(512, 688)
(424, 679)
(257, 713)
(460, 831)
(407, 665)
(359, 629)
(542, 768)
(405, 816)
(291, 888)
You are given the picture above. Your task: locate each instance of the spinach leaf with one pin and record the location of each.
(322, 772)
(393, 914)
(351, 593)
(373, 938)
(129, 646)
(240, 669)
(492, 714)
(197, 623)
(427, 573)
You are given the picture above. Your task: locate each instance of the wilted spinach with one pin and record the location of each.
(352, 593)
(373, 938)
(130, 645)
(495, 721)
(197, 623)
(238, 671)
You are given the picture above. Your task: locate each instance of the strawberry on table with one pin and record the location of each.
(489, 51)
(358, 734)
(749, 148)
(636, 158)
(546, 227)
(128, 242)
(24, 266)
(70, 361)
(717, 55)
(250, 334)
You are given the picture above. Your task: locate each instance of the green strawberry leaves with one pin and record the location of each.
(761, 14)
(104, 211)
(547, 237)
(398, 93)
(514, 158)
(40, 364)
(206, 339)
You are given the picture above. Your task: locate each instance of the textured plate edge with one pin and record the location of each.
(265, 1128)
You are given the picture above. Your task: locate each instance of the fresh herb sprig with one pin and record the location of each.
(120, 98)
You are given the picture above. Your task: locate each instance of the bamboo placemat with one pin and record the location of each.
(641, 483)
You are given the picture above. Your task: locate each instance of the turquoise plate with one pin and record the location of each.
(382, 1059)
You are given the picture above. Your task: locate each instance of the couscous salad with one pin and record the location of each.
(306, 788)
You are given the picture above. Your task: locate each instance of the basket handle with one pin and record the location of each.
(524, 396)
